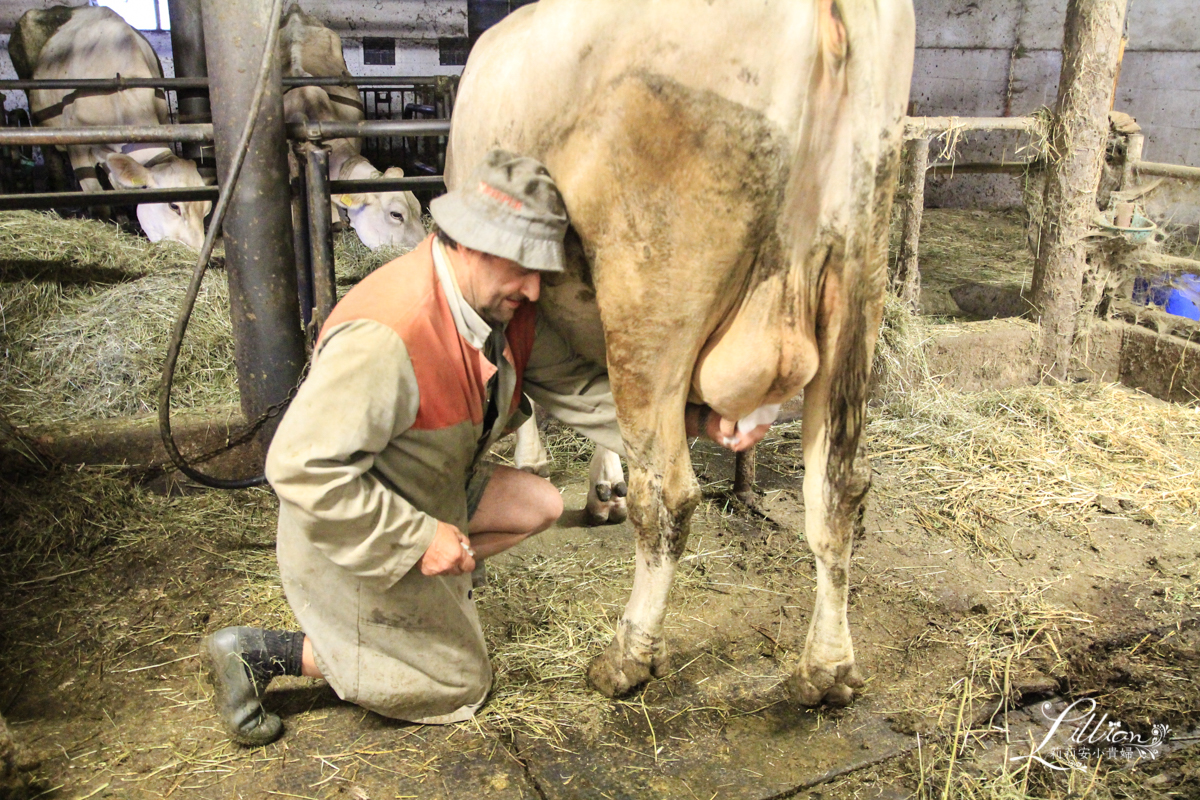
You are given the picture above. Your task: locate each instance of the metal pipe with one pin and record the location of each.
(260, 262)
(315, 131)
(298, 131)
(388, 184)
(116, 84)
(324, 283)
(1178, 171)
(187, 48)
(301, 246)
(9, 202)
(202, 82)
(107, 134)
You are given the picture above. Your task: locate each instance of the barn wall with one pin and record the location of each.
(999, 57)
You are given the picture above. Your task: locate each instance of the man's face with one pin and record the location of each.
(495, 287)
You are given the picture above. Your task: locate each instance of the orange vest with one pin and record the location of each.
(406, 295)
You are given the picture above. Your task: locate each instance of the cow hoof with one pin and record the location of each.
(541, 469)
(623, 666)
(613, 513)
(822, 687)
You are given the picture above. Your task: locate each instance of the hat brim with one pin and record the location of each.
(474, 230)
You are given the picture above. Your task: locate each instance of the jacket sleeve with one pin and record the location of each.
(572, 388)
(360, 393)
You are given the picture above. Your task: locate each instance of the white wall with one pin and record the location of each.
(989, 57)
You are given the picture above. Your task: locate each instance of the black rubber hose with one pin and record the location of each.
(189, 302)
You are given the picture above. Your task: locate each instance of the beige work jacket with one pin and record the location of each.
(379, 445)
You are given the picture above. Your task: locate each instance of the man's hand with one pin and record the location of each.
(701, 421)
(449, 553)
(725, 433)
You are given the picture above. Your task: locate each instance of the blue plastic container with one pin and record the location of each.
(1184, 299)
(1179, 296)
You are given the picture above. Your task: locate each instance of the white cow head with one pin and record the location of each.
(381, 219)
(179, 222)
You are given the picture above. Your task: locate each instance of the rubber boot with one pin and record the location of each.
(238, 688)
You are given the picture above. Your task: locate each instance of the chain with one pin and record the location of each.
(247, 433)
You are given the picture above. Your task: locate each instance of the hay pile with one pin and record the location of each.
(980, 464)
(542, 633)
(85, 314)
(983, 464)
(354, 261)
(86, 311)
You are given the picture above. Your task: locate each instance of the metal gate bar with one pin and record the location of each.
(11, 202)
(119, 83)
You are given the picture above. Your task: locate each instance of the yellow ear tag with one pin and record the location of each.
(347, 200)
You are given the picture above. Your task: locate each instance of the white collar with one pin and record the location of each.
(472, 327)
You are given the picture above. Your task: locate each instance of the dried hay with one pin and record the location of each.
(984, 753)
(543, 631)
(988, 461)
(354, 261)
(87, 310)
(46, 244)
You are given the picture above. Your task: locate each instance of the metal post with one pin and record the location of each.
(300, 239)
(324, 283)
(187, 48)
(260, 261)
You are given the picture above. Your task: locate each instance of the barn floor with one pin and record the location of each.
(101, 684)
(989, 581)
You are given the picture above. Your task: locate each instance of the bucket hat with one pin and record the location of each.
(510, 207)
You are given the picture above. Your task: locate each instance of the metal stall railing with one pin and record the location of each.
(311, 197)
(385, 98)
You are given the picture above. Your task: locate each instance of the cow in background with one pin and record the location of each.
(309, 49)
(94, 42)
(728, 169)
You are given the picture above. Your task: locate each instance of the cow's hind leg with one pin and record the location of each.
(834, 490)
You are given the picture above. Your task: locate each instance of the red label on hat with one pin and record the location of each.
(496, 194)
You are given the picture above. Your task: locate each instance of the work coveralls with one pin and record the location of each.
(379, 444)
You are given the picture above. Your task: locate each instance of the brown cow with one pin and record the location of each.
(728, 168)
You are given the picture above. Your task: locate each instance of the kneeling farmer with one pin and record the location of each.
(385, 500)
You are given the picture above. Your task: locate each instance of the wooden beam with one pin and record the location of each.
(1078, 135)
(925, 127)
(906, 277)
(133, 443)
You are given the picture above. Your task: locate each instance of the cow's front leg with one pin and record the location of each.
(663, 494)
(83, 164)
(606, 502)
(530, 454)
(834, 490)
